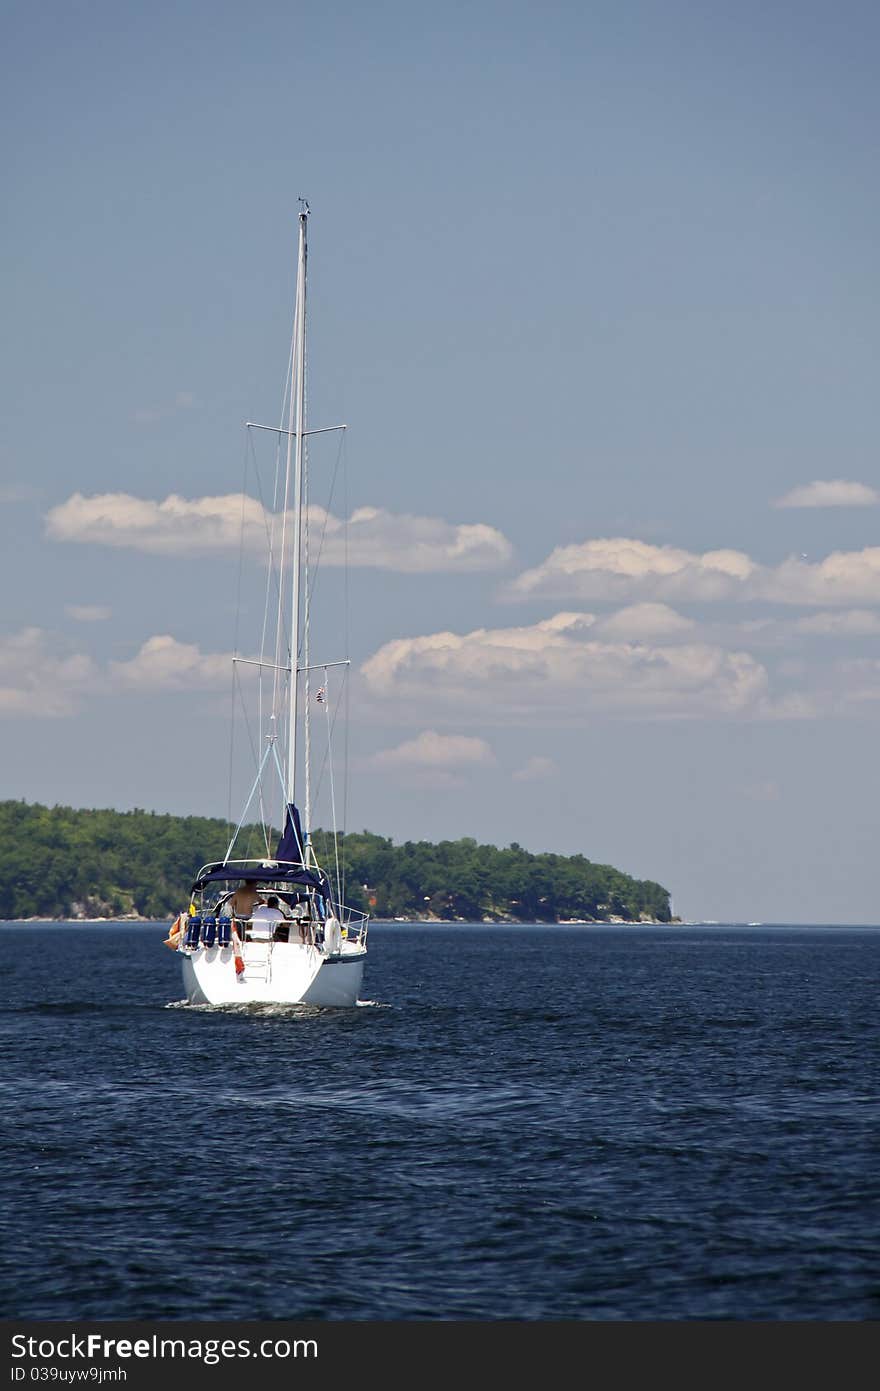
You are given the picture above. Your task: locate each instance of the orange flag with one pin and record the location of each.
(175, 933)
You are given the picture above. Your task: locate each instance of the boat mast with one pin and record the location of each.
(295, 456)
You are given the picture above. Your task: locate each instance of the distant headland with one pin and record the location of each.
(63, 864)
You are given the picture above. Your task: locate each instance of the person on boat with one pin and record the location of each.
(264, 920)
(243, 902)
(302, 918)
(281, 930)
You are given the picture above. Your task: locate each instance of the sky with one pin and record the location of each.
(594, 288)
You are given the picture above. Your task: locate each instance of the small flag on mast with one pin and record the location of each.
(321, 695)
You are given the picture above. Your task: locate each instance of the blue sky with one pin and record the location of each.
(599, 280)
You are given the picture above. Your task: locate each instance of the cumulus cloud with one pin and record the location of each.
(562, 672)
(411, 544)
(556, 670)
(834, 492)
(88, 613)
(645, 621)
(164, 664)
(198, 526)
(434, 760)
(432, 750)
(622, 568)
(36, 681)
(175, 526)
(844, 577)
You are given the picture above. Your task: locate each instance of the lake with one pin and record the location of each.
(518, 1122)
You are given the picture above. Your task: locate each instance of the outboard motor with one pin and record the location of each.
(224, 932)
(209, 930)
(193, 931)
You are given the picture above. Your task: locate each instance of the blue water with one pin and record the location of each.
(521, 1123)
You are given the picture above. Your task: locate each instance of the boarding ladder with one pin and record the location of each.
(257, 958)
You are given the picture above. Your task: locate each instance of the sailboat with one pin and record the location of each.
(274, 929)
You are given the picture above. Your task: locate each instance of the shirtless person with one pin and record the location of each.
(244, 900)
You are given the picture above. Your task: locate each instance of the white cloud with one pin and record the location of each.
(844, 577)
(835, 492)
(433, 760)
(535, 770)
(36, 681)
(622, 568)
(164, 664)
(432, 750)
(371, 537)
(412, 544)
(555, 670)
(88, 613)
(644, 621)
(171, 527)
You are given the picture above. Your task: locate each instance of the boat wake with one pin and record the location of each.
(262, 1009)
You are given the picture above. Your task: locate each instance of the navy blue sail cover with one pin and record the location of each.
(290, 846)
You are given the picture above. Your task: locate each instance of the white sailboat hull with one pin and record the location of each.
(274, 973)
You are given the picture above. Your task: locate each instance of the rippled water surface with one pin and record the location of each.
(527, 1123)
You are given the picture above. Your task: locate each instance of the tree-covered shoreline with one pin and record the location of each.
(64, 864)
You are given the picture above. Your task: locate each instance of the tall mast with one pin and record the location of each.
(295, 456)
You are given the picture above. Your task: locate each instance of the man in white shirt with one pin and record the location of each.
(264, 918)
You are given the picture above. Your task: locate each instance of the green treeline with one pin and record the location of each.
(460, 879)
(57, 862)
